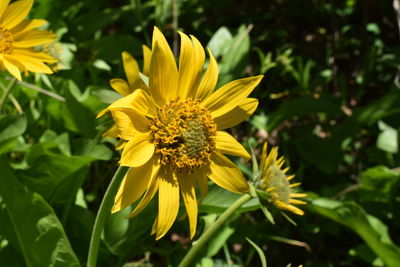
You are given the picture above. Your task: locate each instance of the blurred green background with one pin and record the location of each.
(330, 100)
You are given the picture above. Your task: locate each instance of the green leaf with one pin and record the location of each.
(369, 228)
(218, 41)
(219, 199)
(379, 184)
(259, 251)
(106, 96)
(40, 235)
(234, 61)
(218, 241)
(129, 237)
(388, 138)
(48, 172)
(12, 126)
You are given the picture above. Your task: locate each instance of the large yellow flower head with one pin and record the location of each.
(172, 130)
(275, 181)
(18, 36)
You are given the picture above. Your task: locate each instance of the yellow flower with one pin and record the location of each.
(172, 130)
(18, 36)
(276, 182)
(125, 88)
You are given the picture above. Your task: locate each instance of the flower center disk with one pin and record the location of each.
(6, 41)
(184, 135)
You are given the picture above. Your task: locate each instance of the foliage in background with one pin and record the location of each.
(329, 100)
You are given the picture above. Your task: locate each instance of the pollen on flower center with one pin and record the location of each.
(278, 184)
(6, 41)
(184, 135)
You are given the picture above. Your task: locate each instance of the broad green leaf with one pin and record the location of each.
(128, 237)
(48, 172)
(219, 199)
(218, 240)
(379, 184)
(218, 41)
(369, 228)
(90, 148)
(11, 126)
(40, 235)
(235, 59)
(106, 96)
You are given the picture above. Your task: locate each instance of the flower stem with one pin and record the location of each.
(102, 214)
(6, 92)
(211, 231)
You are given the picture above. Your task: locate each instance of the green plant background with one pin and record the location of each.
(330, 101)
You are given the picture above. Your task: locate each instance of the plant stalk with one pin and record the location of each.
(211, 231)
(104, 211)
(6, 92)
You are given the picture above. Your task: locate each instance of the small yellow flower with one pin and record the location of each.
(172, 130)
(18, 36)
(275, 181)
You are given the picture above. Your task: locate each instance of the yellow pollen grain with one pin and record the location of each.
(184, 135)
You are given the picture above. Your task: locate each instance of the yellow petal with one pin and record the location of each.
(151, 189)
(132, 186)
(33, 38)
(38, 55)
(237, 114)
(290, 208)
(226, 144)
(187, 70)
(32, 64)
(120, 86)
(132, 72)
(201, 178)
(137, 151)
(112, 132)
(11, 66)
(121, 144)
(129, 123)
(146, 60)
(200, 58)
(124, 125)
(159, 38)
(15, 13)
(230, 95)
(3, 6)
(225, 174)
(209, 80)
(168, 203)
(131, 68)
(163, 76)
(186, 183)
(297, 202)
(154, 228)
(27, 25)
(138, 101)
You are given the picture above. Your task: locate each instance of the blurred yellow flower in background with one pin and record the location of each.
(275, 181)
(172, 130)
(17, 38)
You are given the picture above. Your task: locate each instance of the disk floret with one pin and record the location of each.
(184, 134)
(6, 41)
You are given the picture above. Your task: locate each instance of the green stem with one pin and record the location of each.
(104, 211)
(211, 231)
(6, 92)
